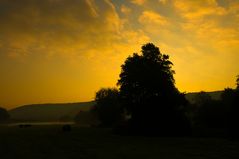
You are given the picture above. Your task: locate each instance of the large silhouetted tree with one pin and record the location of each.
(108, 108)
(148, 92)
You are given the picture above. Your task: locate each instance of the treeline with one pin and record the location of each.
(209, 114)
(148, 102)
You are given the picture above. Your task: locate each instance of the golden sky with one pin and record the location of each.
(65, 50)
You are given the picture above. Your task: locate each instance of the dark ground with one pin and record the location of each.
(50, 142)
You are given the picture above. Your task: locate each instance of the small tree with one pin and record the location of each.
(228, 96)
(234, 112)
(86, 118)
(209, 113)
(202, 98)
(3, 115)
(107, 106)
(237, 82)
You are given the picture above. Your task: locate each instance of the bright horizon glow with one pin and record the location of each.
(62, 51)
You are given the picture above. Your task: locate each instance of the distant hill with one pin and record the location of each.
(67, 111)
(216, 95)
(49, 112)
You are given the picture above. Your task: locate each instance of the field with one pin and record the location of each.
(50, 142)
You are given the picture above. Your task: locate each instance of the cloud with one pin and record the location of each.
(93, 8)
(138, 2)
(152, 18)
(69, 29)
(51, 27)
(198, 9)
(209, 24)
(125, 10)
(162, 1)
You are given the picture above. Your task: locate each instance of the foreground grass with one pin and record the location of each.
(48, 142)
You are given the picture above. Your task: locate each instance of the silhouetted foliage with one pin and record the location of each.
(231, 98)
(148, 92)
(65, 118)
(220, 115)
(228, 96)
(202, 98)
(87, 118)
(25, 125)
(66, 128)
(235, 115)
(210, 113)
(107, 106)
(3, 115)
(237, 82)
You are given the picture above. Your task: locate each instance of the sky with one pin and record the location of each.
(56, 51)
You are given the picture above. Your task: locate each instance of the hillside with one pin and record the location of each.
(49, 112)
(66, 112)
(216, 95)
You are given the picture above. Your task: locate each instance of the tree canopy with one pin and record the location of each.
(148, 76)
(147, 88)
(107, 106)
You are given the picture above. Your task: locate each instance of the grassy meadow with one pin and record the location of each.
(49, 141)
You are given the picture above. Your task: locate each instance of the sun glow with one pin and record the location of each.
(64, 51)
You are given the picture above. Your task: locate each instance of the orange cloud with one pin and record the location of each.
(93, 7)
(198, 9)
(37, 27)
(126, 10)
(152, 18)
(163, 1)
(138, 2)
